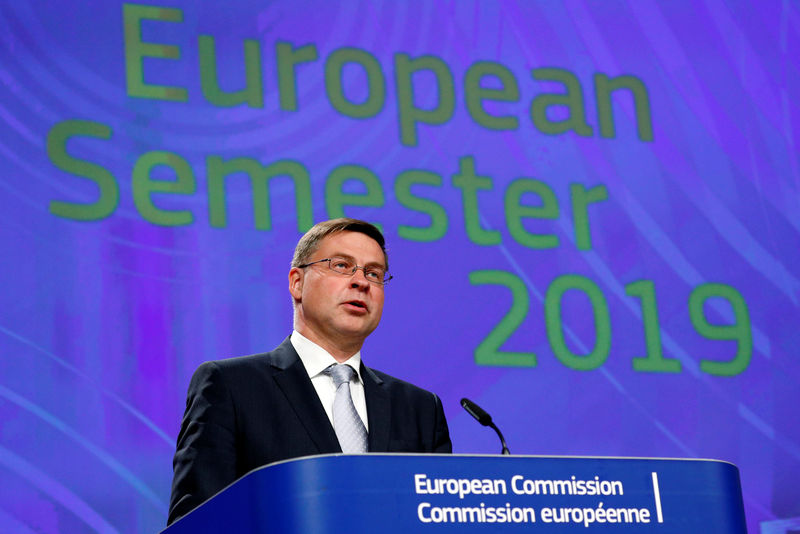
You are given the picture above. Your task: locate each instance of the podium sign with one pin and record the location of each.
(402, 493)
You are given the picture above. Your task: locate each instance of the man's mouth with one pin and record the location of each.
(357, 304)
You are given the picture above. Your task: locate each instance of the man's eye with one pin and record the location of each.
(374, 275)
(341, 264)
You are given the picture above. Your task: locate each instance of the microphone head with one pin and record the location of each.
(476, 411)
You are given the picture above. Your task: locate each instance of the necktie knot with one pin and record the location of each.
(341, 373)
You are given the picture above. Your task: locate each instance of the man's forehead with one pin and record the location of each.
(351, 245)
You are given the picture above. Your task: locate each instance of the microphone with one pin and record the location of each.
(483, 418)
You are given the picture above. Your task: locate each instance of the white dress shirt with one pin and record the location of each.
(316, 359)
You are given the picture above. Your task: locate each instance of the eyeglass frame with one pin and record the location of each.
(356, 267)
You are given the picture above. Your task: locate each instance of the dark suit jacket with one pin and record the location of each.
(247, 412)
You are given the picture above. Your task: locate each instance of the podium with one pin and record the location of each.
(409, 493)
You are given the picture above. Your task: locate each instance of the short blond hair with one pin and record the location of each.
(310, 241)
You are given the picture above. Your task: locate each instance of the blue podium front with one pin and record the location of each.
(404, 493)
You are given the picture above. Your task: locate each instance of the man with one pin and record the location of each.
(246, 412)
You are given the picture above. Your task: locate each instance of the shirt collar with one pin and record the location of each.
(316, 359)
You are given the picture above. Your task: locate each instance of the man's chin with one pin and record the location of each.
(357, 329)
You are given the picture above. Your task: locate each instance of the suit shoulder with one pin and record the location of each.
(239, 362)
(221, 371)
(281, 357)
(232, 365)
(397, 383)
(232, 370)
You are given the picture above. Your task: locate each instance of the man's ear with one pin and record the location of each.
(296, 282)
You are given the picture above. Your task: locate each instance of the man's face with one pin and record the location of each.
(338, 311)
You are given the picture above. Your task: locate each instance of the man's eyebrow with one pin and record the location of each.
(351, 258)
(343, 256)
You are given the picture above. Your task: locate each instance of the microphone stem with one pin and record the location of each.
(502, 439)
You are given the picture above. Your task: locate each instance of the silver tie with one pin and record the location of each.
(348, 425)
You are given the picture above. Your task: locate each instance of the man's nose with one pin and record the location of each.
(359, 278)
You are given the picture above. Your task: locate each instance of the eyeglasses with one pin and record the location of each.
(373, 274)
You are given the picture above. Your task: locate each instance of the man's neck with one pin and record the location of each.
(339, 349)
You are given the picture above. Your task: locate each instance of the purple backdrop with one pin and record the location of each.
(591, 211)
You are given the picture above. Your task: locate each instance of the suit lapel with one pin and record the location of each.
(378, 411)
(293, 381)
